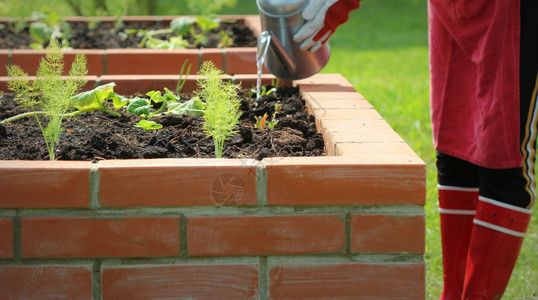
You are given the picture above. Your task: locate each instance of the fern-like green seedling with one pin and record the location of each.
(221, 110)
(49, 92)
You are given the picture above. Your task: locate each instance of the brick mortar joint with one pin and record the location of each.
(211, 211)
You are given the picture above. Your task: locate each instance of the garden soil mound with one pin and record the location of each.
(105, 35)
(98, 136)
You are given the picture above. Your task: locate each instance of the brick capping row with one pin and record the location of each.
(347, 225)
(234, 60)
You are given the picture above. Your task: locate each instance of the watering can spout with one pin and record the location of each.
(279, 51)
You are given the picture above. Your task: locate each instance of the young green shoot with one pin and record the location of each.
(49, 92)
(221, 112)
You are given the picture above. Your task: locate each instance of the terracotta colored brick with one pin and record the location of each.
(249, 80)
(94, 60)
(4, 61)
(359, 131)
(99, 237)
(348, 281)
(273, 235)
(149, 61)
(389, 152)
(3, 84)
(346, 114)
(240, 60)
(178, 182)
(387, 234)
(325, 82)
(27, 59)
(319, 101)
(185, 281)
(45, 282)
(343, 181)
(214, 55)
(141, 84)
(59, 184)
(6, 238)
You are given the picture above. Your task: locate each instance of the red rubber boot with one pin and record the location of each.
(498, 233)
(457, 208)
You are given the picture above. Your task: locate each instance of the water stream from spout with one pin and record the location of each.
(263, 45)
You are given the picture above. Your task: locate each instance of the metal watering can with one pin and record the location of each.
(280, 19)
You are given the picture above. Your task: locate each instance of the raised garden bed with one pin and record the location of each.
(349, 224)
(115, 61)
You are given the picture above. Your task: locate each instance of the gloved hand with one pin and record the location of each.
(322, 17)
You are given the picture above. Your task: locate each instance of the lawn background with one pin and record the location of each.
(383, 51)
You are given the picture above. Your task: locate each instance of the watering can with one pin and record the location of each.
(280, 19)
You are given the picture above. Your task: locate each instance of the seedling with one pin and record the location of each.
(262, 124)
(264, 90)
(49, 91)
(182, 27)
(47, 28)
(221, 112)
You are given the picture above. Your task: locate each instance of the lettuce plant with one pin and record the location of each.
(221, 111)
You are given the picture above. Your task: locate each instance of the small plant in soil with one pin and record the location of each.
(47, 28)
(49, 92)
(221, 111)
(199, 28)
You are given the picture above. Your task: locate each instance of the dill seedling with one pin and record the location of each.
(49, 92)
(221, 111)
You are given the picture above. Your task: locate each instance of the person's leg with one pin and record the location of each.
(458, 195)
(500, 224)
(507, 196)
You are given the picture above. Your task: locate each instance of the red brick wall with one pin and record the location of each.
(336, 227)
(131, 245)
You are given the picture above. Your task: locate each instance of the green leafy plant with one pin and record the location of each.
(262, 124)
(264, 90)
(48, 27)
(84, 102)
(199, 28)
(49, 92)
(221, 111)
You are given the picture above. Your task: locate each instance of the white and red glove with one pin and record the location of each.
(322, 18)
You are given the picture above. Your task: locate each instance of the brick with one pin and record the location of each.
(320, 101)
(59, 184)
(344, 181)
(94, 60)
(99, 237)
(149, 61)
(185, 281)
(27, 59)
(265, 235)
(6, 238)
(241, 60)
(4, 61)
(348, 281)
(179, 182)
(141, 84)
(325, 82)
(359, 131)
(45, 282)
(387, 234)
(389, 151)
(214, 55)
(347, 114)
(249, 80)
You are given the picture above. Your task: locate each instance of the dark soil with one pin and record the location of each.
(106, 36)
(97, 136)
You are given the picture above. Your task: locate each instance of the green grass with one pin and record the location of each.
(383, 51)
